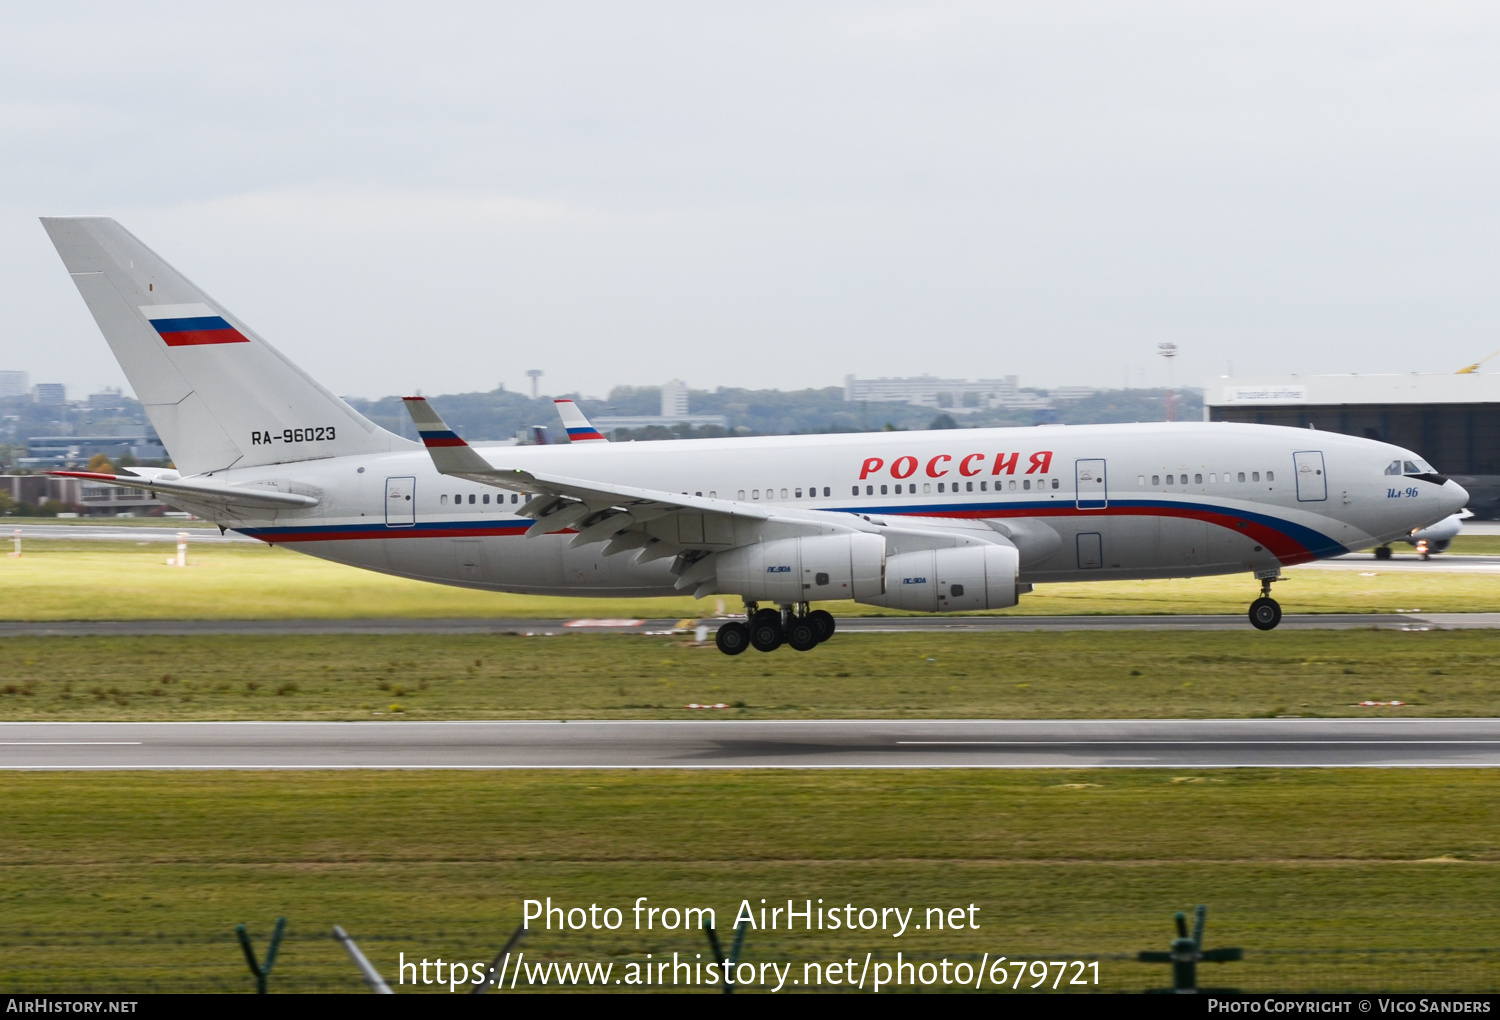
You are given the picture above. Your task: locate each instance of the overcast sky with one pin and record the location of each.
(438, 197)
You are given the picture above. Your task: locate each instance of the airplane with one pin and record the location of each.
(935, 521)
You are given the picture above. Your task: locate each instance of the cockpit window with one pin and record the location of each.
(1410, 468)
(1393, 468)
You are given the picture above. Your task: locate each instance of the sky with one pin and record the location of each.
(437, 197)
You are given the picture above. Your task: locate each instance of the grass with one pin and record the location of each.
(1070, 674)
(133, 882)
(110, 581)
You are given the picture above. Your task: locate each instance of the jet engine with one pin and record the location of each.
(951, 580)
(811, 569)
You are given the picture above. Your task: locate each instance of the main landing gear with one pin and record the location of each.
(1265, 612)
(768, 629)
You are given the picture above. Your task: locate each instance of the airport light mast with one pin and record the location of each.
(1169, 351)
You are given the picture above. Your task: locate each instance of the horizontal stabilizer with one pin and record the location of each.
(213, 493)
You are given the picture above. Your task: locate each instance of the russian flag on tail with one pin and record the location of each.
(433, 430)
(191, 325)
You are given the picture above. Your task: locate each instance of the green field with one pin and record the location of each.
(1028, 675)
(117, 581)
(121, 882)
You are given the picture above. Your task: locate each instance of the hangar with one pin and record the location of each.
(1451, 420)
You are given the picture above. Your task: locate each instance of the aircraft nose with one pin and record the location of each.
(1456, 496)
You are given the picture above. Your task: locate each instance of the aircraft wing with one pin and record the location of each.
(656, 523)
(203, 493)
(659, 524)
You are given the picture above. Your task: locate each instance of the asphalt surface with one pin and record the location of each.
(852, 625)
(708, 744)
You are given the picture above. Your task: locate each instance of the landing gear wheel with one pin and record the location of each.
(802, 634)
(765, 630)
(1383, 552)
(1265, 614)
(822, 621)
(732, 638)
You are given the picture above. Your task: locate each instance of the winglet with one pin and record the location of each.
(450, 454)
(580, 429)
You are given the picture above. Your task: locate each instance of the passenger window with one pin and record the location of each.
(968, 487)
(882, 490)
(927, 486)
(755, 494)
(1213, 478)
(783, 494)
(1255, 476)
(1012, 486)
(869, 490)
(1026, 484)
(1140, 479)
(1156, 479)
(1054, 483)
(799, 493)
(940, 486)
(855, 491)
(898, 490)
(1270, 476)
(443, 499)
(742, 494)
(713, 494)
(1242, 476)
(1197, 479)
(471, 499)
(825, 491)
(984, 486)
(486, 498)
(514, 498)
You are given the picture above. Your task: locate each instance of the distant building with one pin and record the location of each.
(956, 395)
(674, 399)
(50, 393)
(109, 400)
(51, 452)
(14, 384)
(1071, 394)
(39, 490)
(1452, 421)
(674, 411)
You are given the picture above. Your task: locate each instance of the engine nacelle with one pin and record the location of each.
(812, 569)
(951, 580)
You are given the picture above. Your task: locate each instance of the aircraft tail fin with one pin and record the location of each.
(218, 395)
(579, 428)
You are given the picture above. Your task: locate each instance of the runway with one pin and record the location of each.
(846, 625)
(716, 744)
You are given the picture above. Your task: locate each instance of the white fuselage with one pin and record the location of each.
(1123, 501)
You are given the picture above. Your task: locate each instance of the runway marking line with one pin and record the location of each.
(1127, 742)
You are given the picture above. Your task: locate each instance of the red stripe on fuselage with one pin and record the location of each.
(1286, 549)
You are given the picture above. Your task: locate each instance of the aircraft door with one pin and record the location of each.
(1092, 491)
(401, 502)
(1090, 551)
(1312, 482)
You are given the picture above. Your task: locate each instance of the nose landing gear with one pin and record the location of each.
(1265, 612)
(768, 629)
